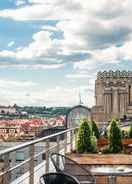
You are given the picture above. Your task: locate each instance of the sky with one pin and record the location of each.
(50, 51)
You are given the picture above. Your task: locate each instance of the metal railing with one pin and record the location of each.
(63, 140)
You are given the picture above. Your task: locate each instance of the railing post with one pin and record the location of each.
(58, 144)
(71, 141)
(58, 149)
(76, 135)
(65, 142)
(31, 164)
(6, 178)
(47, 156)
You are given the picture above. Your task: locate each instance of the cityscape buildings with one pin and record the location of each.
(25, 129)
(8, 109)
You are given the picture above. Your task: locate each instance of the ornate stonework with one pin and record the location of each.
(113, 95)
(114, 75)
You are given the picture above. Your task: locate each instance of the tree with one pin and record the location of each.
(84, 137)
(95, 129)
(130, 131)
(115, 137)
(93, 144)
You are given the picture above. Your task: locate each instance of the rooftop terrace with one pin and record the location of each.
(65, 143)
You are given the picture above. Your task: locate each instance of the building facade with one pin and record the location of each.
(113, 95)
(10, 131)
(76, 114)
(8, 109)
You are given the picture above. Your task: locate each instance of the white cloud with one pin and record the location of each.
(41, 42)
(58, 9)
(111, 55)
(77, 76)
(33, 66)
(49, 28)
(10, 44)
(39, 46)
(45, 67)
(12, 92)
(56, 96)
(87, 65)
(20, 2)
(76, 15)
(85, 28)
(38, 54)
(36, 11)
(12, 83)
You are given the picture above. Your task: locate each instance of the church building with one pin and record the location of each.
(113, 95)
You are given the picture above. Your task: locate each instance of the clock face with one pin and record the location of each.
(76, 114)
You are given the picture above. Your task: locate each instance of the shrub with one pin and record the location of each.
(130, 131)
(115, 137)
(105, 150)
(93, 144)
(124, 134)
(84, 137)
(95, 129)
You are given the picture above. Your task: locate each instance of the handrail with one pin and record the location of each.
(68, 140)
(29, 143)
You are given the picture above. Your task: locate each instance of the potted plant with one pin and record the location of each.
(115, 137)
(130, 131)
(86, 141)
(95, 129)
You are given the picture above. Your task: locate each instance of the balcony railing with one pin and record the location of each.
(64, 140)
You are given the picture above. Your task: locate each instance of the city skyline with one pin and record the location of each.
(50, 51)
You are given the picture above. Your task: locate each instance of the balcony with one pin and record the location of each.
(25, 163)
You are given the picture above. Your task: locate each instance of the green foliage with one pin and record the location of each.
(124, 134)
(84, 137)
(115, 137)
(95, 129)
(48, 111)
(105, 150)
(94, 143)
(130, 131)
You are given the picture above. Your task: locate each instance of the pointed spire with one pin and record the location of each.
(80, 100)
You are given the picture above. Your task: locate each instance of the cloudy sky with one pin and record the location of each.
(51, 50)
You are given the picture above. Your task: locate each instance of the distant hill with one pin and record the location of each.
(43, 110)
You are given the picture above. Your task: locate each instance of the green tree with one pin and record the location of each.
(123, 134)
(84, 137)
(130, 131)
(94, 143)
(115, 137)
(95, 129)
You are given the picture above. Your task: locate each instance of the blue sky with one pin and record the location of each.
(51, 50)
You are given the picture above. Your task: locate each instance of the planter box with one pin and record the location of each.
(103, 142)
(127, 141)
(90, 161)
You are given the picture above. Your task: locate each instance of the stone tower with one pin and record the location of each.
(113, 95)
